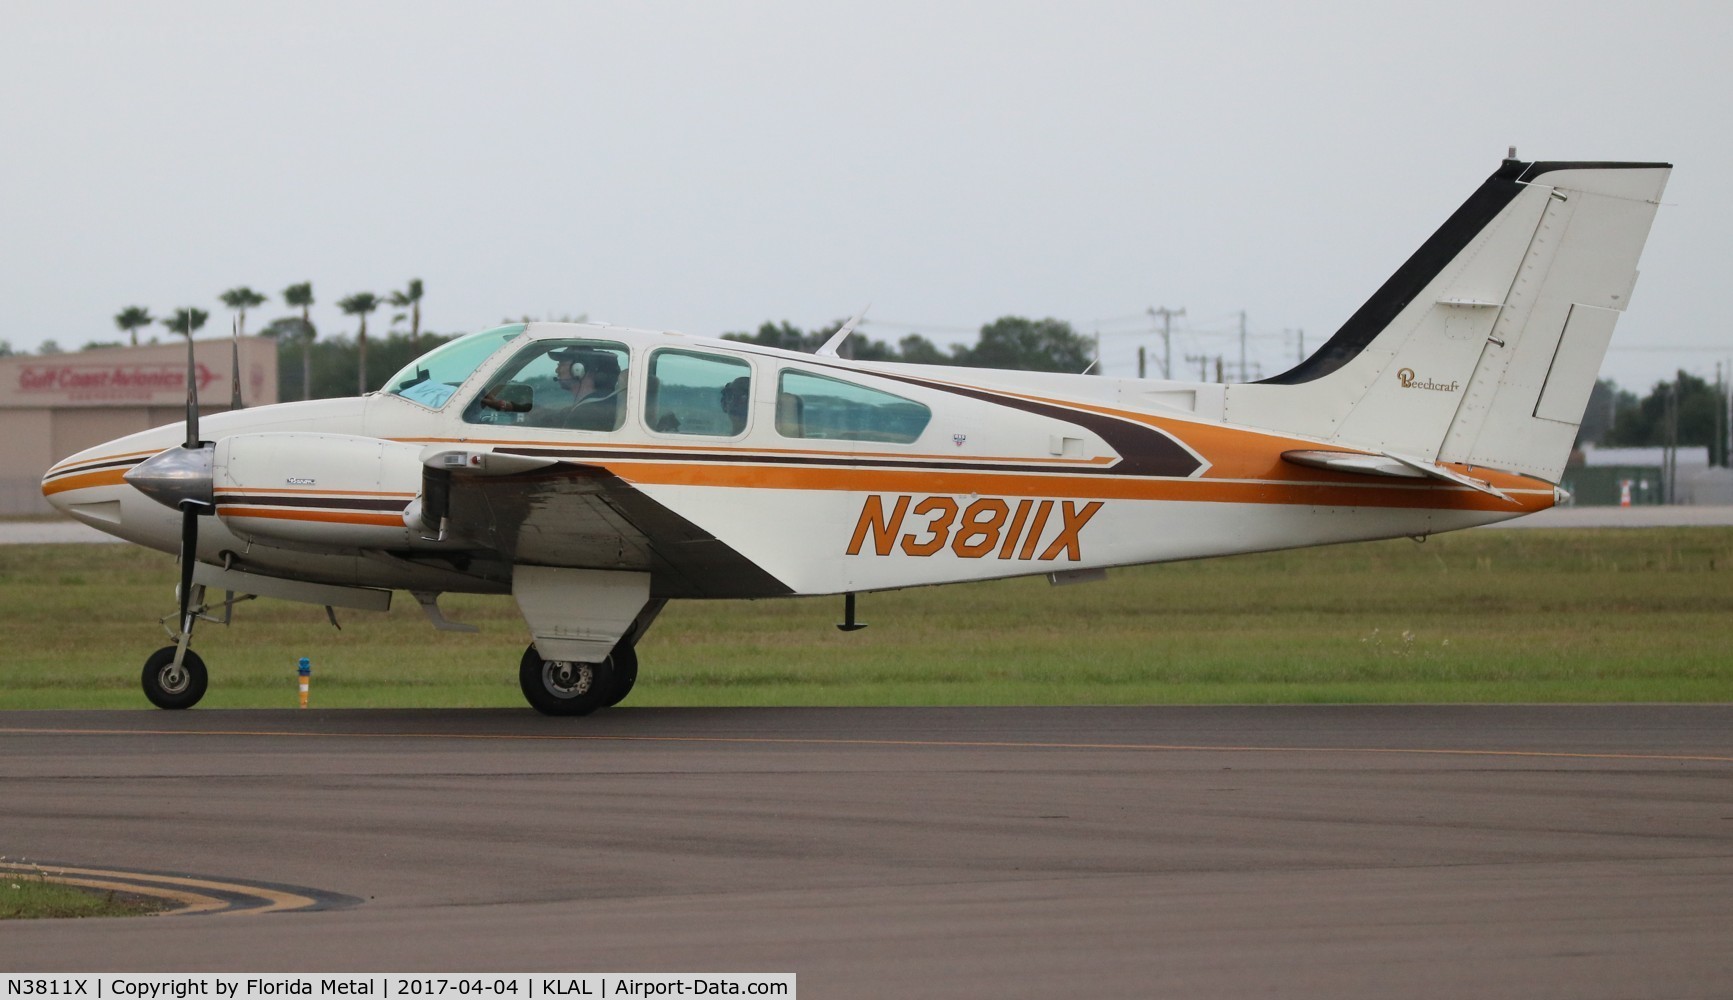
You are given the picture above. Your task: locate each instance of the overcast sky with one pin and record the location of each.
(706, 167)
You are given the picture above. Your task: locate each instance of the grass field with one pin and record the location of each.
(35, 895)
(1509, 616)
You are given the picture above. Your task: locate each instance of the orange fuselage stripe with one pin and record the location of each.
(84, 480)
(319, 516)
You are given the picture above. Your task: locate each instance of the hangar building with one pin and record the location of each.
(55, 405)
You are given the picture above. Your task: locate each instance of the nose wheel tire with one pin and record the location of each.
(564, 687)
(169, 686)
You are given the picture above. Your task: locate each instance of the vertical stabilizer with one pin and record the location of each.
(1483, 347)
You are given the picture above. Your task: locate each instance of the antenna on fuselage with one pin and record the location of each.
(828, 349)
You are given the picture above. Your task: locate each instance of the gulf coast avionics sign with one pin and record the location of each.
(58, 380)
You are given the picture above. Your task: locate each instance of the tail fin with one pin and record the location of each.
(1483, 347)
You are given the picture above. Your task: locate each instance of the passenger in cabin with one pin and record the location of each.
(593, 379)
(735, 396)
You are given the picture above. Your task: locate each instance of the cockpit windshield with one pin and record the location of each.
(431, 379)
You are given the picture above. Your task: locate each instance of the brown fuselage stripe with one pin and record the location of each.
(341, 502)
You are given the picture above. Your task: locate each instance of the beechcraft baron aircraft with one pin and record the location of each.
(595, 472)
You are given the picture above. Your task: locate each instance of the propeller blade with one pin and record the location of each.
(235, 356)
(192, 396)
(189, 554)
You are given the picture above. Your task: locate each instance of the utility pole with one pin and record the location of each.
(1202, 361)
(1142, 362)
(1670, 446)
(1724, 414)
(1243, 346)
(1167, 316)
(1720, 428)
(1726, 399)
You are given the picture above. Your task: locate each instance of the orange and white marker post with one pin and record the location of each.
(1624, 493)
(306, 672)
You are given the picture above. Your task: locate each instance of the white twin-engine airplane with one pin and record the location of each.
(595, 472)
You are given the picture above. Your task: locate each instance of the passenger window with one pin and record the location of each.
(692, 393)
(816, 406)
(575, 384)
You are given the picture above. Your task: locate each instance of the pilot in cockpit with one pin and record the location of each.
(593, 379)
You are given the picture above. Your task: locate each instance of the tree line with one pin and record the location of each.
(1688, 410)
(1036, 345)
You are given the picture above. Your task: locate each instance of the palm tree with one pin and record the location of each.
(411, 297)
(302, 295)
(185, 321)
(360, 304)
(131, 318)
(240, 299)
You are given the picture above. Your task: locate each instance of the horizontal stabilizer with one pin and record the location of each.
(1393, 466)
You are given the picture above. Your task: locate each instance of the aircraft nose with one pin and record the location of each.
(52, 493)
(175, 476)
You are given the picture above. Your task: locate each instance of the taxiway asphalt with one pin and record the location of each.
(1343, 851)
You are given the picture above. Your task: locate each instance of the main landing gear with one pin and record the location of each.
(561, 687)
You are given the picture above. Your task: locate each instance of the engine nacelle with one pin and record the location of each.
(324, 491)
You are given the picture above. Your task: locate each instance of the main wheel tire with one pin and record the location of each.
(168, 686)
(625, 673)
(562, 687)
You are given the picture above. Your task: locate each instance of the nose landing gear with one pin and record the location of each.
(174, 685)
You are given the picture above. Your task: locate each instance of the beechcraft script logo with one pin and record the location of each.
(923, 526)
(1409, 381)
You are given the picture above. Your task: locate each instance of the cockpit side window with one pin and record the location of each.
(689, 392)
(574, 384)
(431, 379)
(817, 406)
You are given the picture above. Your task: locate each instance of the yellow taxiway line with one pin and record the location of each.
(174, 888)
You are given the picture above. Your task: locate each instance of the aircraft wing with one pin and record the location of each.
(559, 513)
